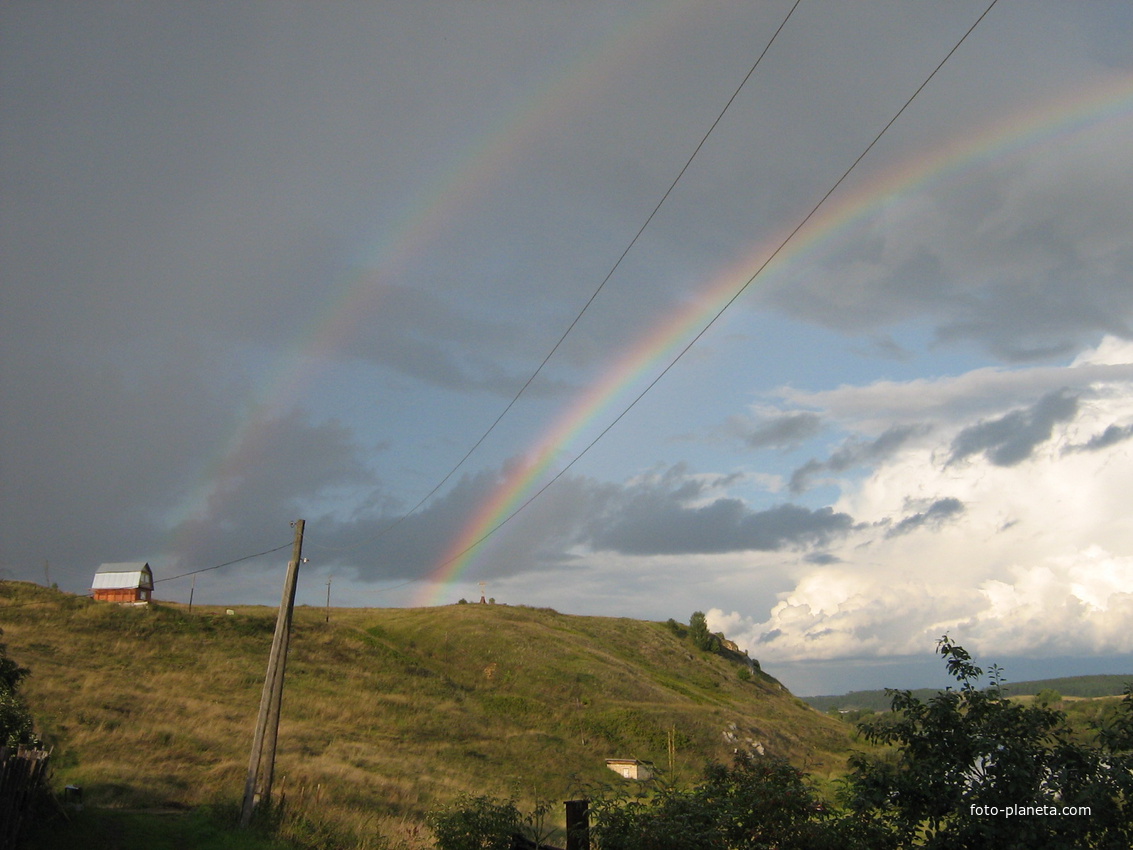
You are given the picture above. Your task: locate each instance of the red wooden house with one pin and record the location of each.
(130, 583)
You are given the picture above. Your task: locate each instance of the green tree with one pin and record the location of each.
(701, 637)
(16, 725)
(973, 769)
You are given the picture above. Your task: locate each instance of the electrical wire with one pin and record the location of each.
(168, 578)
(730, 301)
(633, 403)
(225, 564)
(593, 297)
(585, 307)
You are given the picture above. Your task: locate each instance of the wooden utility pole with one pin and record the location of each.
(261, 765)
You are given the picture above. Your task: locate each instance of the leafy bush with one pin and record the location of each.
(476, 823)
(967, 758)
(759, 802)
(967, 769)
(16, 725)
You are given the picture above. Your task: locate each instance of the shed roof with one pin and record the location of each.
(129, 574)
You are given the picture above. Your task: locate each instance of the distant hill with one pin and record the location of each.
(387, 712)
(1071, 686)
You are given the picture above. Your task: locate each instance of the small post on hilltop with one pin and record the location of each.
(261, 765)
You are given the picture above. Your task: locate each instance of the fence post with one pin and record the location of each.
(578, 825)
(23, 773)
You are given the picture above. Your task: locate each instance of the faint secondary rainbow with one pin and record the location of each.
(471, 173)
(655, 349)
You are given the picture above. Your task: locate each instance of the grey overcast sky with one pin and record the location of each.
(270, 260)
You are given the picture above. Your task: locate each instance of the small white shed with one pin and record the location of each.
(631, 768)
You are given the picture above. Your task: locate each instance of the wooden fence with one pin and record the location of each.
(23, 779)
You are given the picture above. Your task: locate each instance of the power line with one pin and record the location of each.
(593, 296)
(763, 266)
(225, 564)
(731, 300)
(168, 578)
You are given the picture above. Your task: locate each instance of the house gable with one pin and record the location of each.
(123, 582)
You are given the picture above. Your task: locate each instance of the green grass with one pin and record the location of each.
(387, 713)
(104, 829)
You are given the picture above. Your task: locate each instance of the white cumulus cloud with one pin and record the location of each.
(1030, 557)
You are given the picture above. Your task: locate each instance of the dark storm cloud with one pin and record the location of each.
(1111, 436)
(410, 202)
(1012, 438)
(1028, 261)
(1047, 320)
(935, 515)
(1109, 35)
(822, 558)
(782, 431)
(856, 453)
(423, 336)
(186, 181)
(386, 543)
(656, 519)
(638, 518)
(97, 465)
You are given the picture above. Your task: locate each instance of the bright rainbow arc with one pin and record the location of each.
(1056, 119)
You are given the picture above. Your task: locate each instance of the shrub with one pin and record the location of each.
(16, 726)
(759, 802)
(965, 756)
(476, 823)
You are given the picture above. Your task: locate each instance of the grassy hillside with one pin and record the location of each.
(387, 712)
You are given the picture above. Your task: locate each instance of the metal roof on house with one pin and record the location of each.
(112, 576)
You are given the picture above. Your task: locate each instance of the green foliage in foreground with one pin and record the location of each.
(107, 828)
(759, 802)
(16, 725)
(973, 769)
(966, 769)
(476, 823)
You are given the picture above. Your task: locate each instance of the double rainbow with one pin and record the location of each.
(654, 351)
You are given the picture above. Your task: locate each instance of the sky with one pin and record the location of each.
(858, 383)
